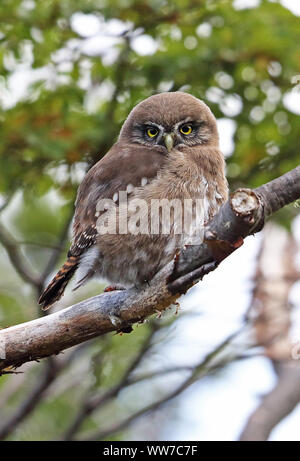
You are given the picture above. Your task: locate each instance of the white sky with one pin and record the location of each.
(293, 5)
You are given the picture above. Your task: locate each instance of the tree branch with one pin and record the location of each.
(276, 405)
(16, 258)
(200, 370)
(96, 401)
(52, 369)
(244, 214)
(34, 397)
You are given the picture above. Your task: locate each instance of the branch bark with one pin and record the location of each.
(244, 214)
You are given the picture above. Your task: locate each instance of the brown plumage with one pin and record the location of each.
(168, 148)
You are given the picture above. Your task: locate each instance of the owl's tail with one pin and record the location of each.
(56, 287)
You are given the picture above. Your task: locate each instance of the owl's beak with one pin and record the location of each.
(169, 141)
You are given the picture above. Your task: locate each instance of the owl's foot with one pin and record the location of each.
(113, 288)
(177, 307)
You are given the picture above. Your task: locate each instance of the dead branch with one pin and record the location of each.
(276, 405)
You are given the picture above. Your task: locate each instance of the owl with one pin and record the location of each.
(167, 157)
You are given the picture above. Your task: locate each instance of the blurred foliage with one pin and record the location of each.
(70, 71)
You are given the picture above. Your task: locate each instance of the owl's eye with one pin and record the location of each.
(152, 132)
(186, 129)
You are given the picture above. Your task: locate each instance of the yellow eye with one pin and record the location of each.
(186, 129)
(152, 132)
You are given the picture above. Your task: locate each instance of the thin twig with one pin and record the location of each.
(17, 259)
(198, 371)
(96, 401)
(32, 400)
(52, 368)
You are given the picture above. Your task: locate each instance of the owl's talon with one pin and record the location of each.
(159, 314)
(177, 305)
(113, 288)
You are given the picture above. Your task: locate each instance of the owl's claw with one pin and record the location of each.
(113, 288)
(177, 305)
(176, 257)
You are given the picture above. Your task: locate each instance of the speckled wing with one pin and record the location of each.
(123, 165)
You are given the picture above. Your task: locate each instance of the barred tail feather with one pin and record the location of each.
(56, 287)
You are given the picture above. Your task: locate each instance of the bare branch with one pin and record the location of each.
(276, 405)
(242, 215)
(21, 265)
(16, 258)
(52, 367)
(96, 401)
(202, 369)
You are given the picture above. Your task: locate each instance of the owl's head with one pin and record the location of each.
(168, 120)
